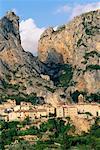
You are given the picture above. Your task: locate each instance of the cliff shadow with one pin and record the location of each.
(54, 58)
(59, 72)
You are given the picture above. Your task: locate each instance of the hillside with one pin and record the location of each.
(67, 64)
(76, 44)
(20, 71)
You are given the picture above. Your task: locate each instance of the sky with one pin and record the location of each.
(37, 15)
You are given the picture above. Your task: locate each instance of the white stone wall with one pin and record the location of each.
(60, 112)
(17, 107)
(91, 108)
(12, 116)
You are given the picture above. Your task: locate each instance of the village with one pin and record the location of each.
(9, 111)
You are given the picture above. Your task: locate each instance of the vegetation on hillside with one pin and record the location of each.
(64, 76)
(91, 54)
(56, 133)
(93, 67)
(94, 97)
(21, 97)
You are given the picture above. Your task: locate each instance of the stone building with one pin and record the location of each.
(65, 111)
(4, 117)
(18, 115)
(47, 107)
(41, 113)
(25, 105)
(60, 112)
(50, 110)
(70, 111)
(92, 108)
(24, 110)
(13, 116)
(33, 114)
(17, 107)
(8, 104)
(81, 99)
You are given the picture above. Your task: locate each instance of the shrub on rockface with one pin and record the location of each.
(91, 54)
(66, 74)
(94, 97)
(22, 97)
(93, 67)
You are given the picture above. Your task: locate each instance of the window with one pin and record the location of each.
(97, 113)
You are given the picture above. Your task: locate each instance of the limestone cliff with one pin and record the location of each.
(20, 71)
(78, 44)
(67, 65)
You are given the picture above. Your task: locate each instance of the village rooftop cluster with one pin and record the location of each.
(9, 111)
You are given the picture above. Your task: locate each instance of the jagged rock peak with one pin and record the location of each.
(10, 43)
(78, 44)
(12, 16)
(47, 32)
(79, 35)
(10, 24)
(18, 67)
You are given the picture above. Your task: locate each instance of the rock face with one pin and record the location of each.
(76, 43)
(11, 52)
(18, 68)
(67, 65)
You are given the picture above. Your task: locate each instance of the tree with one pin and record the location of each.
(26, 121)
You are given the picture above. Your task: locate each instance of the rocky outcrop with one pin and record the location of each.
(78, 44)
(20, 71)
(11, 51)
(67, 65)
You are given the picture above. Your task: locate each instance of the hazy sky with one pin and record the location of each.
(36, 15)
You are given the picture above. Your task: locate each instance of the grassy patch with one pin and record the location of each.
(91, 54)
(93, 67)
